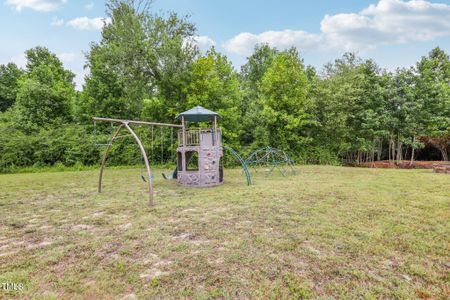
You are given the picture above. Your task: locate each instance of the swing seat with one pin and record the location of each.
(168, 177)
(143, 178)
(173, 175)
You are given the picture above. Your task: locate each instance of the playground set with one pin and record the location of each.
(271, 158)
(199, 152)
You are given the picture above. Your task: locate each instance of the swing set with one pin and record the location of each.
(198, 154)
(152, 149)
(126, 124)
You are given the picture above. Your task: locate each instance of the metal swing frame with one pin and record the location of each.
(126, 124)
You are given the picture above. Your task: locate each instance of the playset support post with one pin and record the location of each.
(126, 124)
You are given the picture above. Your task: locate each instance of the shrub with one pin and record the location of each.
(68, 145)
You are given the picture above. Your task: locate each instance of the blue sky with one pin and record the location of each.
(396, 33)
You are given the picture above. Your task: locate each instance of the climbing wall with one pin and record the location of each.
(208, 167)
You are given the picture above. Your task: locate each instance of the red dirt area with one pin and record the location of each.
(442, 169)
(437, 166)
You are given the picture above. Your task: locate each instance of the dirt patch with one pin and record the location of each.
(405, 164)
(65, 263)
(89, 283)
(184, 236)
(6, 242)
(4, 247)
(174, 220)
(163, 262)
(150, 228)
(42, 244)
(198, 242)
(45, 227)
(442, 169)
(94, 215)
(217, 261)
(7, 253)
(190, 237)
(80, 227)
(109, 251)
(18, 243)
(150, 258)
(153, 273)
(129, 297)
(156, 270)
(125, 226)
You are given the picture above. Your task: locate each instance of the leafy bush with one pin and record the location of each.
(68, 145)
(318, 155)
(16, 148)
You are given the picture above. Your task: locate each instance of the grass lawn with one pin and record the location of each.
(327, 232)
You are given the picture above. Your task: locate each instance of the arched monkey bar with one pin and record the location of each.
(126, 124)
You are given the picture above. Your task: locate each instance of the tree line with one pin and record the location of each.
(147, 66)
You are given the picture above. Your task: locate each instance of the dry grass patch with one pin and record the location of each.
(327, 232)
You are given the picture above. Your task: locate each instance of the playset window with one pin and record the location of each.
(191, 161)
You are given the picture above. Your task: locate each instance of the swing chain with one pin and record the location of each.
(162, 147)
(95, 136)
(171, 139)
(152, 156)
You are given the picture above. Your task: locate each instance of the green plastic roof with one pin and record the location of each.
(198, 114)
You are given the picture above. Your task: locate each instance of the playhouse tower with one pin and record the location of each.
(199, 150)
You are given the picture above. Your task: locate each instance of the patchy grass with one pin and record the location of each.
(327, 232)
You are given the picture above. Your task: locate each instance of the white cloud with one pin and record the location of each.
(85, 23)
(20, 60)
(57, 22)
(82, 23)
(202, 41)
(79, 80)
(89, 5)
(67, 57)
(38, 5)
(73, 61)
(387, 22)
(244, 42)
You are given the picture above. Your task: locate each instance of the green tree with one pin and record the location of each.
(9, 84)
(214, 84)
(45, 67)
(250, 78)
(140, 56)
(256, 66)
(286, 113)
(46, 91)
(39, 105)
(328, 119)
(335, 94)
(103, 93)
(432, 88)
(349, 109)
(401, 113)
(366, 111)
